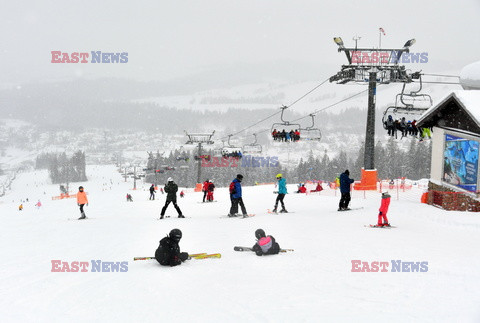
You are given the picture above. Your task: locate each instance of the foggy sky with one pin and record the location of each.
(171, 39)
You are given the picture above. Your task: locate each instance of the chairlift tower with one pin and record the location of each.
(373, 66)
(199, 138)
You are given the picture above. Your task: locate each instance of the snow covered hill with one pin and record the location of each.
(315, 283)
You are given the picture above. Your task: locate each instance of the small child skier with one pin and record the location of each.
(265, 245)
(382, 215)
(210, 189)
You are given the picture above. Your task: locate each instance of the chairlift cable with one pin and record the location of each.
(272, 115)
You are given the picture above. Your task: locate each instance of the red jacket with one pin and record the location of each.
(205, 186)
(385, 203)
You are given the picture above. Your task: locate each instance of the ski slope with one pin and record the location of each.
(315, 283)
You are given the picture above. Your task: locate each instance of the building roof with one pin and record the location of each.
(459, 110)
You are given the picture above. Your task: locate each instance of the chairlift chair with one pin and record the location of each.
(407, 104)
(280, 126)
(253, 148)
(311, 133)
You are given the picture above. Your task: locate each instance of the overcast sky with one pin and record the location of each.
(169, 39)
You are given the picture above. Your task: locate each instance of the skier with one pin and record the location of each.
(382, 215)
(152, 192)
(390, 125)
(302, 188)
(236, 196)
(81, 201)
(282, 190)
(20, 207)
(129, 198)
(39, 204)
(182, 194)
(266, 245)
(205, 189)
(171, 188)
(210, 188)
(168, 252)
(318, 188)
(345, 182)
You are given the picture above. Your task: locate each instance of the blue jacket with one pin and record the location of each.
(238, 189)
(282, 186)
(345, 182)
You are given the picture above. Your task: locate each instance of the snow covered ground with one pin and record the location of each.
(315, 283)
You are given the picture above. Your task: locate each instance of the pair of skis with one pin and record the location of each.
(241, 216)
(380, 227)
(238, 248)
(202, 255)
(271, 212)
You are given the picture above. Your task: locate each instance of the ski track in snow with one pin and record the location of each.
(312, 284)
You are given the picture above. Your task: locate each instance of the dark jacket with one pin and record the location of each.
(152, 189)
(237, 189)
(345, 182)
(274, 249)
(168, 252)
(171, 189)
(211, 187)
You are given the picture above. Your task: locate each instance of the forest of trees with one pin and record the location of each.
(63, 169)
(390, 160)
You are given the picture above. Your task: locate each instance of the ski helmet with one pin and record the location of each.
(175, 235)
(260, 234)
(279, 176)
(170, 179)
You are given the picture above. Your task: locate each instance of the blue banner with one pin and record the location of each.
(460, 165)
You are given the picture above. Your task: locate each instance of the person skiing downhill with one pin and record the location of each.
(81, 201)
(345, 182)
(236, 196)
(210, 189)
(152, 192)
(168, 252)
(382, 215)
(171, 188)
(265, 245)
(282, 190)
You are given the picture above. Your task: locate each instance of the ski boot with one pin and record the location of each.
(82, 217)
(181, 216)
(161, 217)
(386, 225)
(231, 215)
(283, 210)
(274, 210)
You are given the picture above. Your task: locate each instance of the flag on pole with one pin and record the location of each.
(382, 31)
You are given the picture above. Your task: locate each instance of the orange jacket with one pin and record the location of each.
(82, 198)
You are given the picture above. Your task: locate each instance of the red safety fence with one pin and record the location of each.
(64, 196)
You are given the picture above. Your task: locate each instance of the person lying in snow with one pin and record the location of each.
(266, 245)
